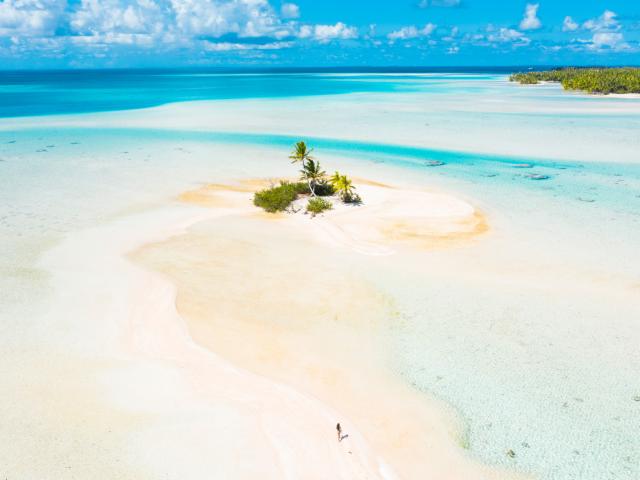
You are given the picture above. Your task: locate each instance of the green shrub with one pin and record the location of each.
(278, 199)
(325, 189)
(352, 197)
(318, 205)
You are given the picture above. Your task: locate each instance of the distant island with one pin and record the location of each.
(592, 80)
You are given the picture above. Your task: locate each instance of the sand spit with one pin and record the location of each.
(234, 353)
(389, 219)
(284, 297)
(143, 400)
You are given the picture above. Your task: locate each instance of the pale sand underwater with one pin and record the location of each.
(293, 347)
(276, 295)
(497, 118)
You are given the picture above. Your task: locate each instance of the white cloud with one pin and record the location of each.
(178, 21)
(452, 35)
(183, 20)
(230, 46)
(410, 32)
(606, 21)
(326, 33)
(110, 17)
(507, 35)
(531, 20)
(246, 18)
(112, 38)
(30, 17)
(611, 40)
(606, 33)
(71, 28)
(290, 10)
(438, 3)
(568, 25)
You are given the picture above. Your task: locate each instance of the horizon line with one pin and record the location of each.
(310, 69)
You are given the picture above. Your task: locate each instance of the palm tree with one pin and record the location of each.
(301, 153)
(312, 173)
(344, 186)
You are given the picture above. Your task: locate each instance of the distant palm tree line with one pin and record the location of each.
(592, 80)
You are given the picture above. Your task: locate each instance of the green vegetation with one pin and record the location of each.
(318, 205)
(278, 198)
(324, 189)
(313, 174)
(301, 153)
(314, 182)
(345, 189)
(592, 80)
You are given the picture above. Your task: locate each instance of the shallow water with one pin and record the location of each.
(534, 342)
(57, 92)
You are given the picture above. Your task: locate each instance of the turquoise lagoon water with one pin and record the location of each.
(556, 388)
(58, 92)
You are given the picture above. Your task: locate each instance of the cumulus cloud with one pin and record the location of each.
(290, 10)
(327, 33)
(606, 33)
(247, 18)
(601, 40)
(102, 17)
(73, 28)
(531, 20)
(225, 23)
(410, 32)
(30, 17)
(197, 19)
(606, 21)
(178, 20)
(568, 25)
(507, 35)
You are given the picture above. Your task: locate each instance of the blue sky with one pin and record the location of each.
(130, 33)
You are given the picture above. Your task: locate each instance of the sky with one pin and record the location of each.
(316, 33)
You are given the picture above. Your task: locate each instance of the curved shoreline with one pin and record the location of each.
(296, 345)
(231, 420)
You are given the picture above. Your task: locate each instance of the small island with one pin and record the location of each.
(592, 80)
(314, 183)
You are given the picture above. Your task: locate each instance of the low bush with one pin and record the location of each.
(351, 197)
(278, 198)
(324, 189)
(318, 205)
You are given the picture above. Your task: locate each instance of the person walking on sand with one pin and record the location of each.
(339, 429)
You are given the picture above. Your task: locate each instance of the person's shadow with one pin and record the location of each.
(342, 437)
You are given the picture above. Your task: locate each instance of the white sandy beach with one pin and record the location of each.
(310, 323)
(239, 381)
